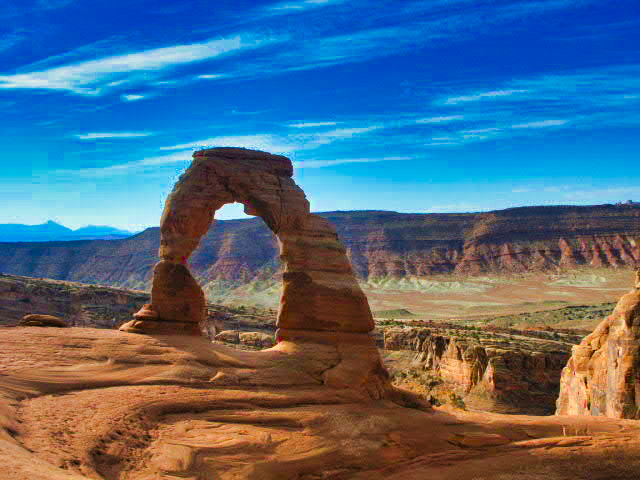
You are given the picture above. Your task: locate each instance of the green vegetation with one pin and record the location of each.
(457, 401)
(577, 316)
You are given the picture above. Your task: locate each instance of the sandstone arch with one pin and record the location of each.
(321, 298)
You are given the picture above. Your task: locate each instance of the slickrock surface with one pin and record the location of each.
(86, 404)
(489, 370)
(602, 376)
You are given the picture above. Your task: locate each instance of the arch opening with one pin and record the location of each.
(241, 281)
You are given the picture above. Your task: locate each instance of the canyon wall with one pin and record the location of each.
(509, 372)
(79, 305)
(603, 375)
(379, 244)
(83, 305)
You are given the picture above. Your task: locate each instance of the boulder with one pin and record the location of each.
(257, 339)
(249, 339)
(39, 320)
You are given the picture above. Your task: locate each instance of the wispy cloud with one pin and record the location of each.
(482, 95)
(99, 135)
(541, 124)
(126, 168)
(132, 97)
(287, 7)
(93, 77)
(481, 130)
(278, 143)
(311, 124)
(340, 161)
(603, 97)
(265, 142)
(10, 40)
(444, 119)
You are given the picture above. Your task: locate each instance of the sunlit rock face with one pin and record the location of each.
(320, 292)
(602, 376)
(513, 372)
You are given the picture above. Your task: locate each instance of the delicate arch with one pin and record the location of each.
(320, 293)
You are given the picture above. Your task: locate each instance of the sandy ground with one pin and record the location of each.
(446, 297)
(84, 403)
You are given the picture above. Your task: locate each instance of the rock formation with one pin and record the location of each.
(602, 376)
(514, 373)
(320, 292)
(379, 244)
(258, 340)
(40, 320)
(79, 304)
(321, 301)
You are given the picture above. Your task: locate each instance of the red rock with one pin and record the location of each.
(320, 291)
(602, 376)
(39, 320)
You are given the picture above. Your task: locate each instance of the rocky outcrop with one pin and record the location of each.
(78, 304)
(602, 376)
(40, 320)
(378, 244)
(248, 339)
(517, 372)
(545, 238)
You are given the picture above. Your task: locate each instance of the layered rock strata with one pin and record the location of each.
(378, 244)
(518, 373)
(77, 304)
(602, 376)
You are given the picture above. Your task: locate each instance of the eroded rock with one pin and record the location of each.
(514, 372)
(323, 312)
(320, 291)
(602, 376)
(40, 320)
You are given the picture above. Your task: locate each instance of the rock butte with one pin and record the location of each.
(321, 301)
(602, 376)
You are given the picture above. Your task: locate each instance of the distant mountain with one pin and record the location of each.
(52, 231)
(103, 232)
(243, 254)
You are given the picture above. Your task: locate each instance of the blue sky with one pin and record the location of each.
(413, 106)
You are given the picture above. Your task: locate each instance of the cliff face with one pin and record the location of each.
(83, 305)
(541, 238)
(79, 305)
(517, 373)
(379, 244)
(603, 375)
